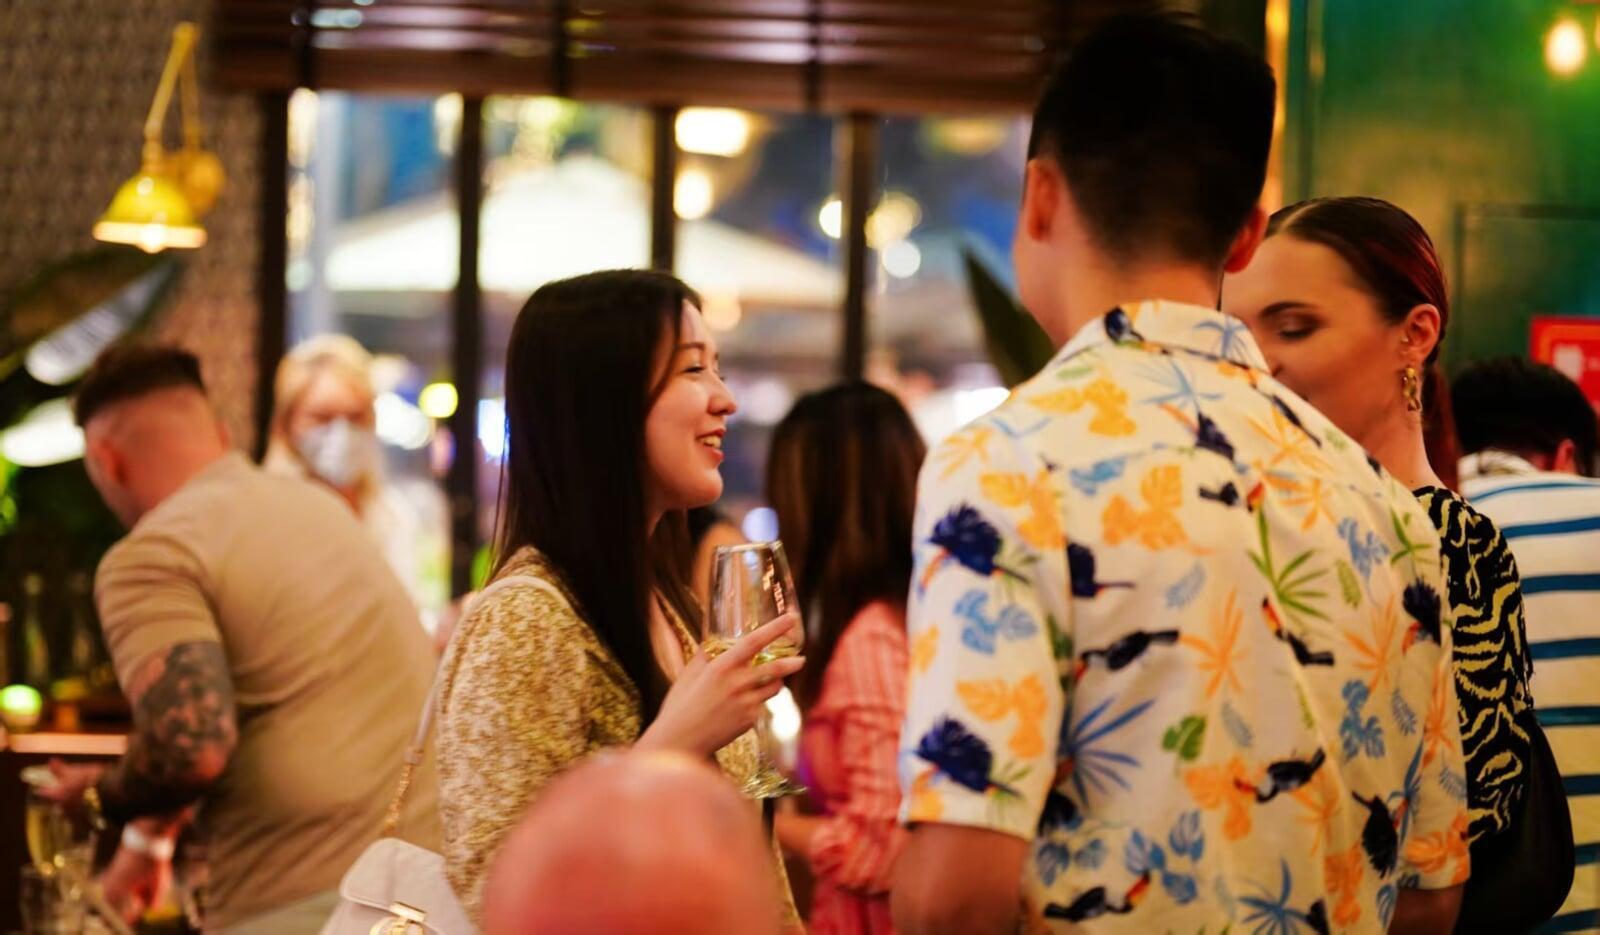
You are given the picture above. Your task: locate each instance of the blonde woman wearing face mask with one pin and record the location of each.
(323, 428)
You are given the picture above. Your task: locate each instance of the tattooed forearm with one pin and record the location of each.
(184, 733)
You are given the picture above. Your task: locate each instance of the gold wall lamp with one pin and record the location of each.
(161, 206)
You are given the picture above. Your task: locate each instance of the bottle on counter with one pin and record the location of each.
(33, 637)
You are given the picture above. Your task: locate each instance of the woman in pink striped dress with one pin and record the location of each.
(842, 478)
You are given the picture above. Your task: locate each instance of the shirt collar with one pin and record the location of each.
(1492, 462)
(1171, 325)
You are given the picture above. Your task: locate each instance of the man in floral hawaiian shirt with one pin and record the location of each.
(1178, 661)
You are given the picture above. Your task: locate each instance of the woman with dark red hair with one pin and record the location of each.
(1347, 300)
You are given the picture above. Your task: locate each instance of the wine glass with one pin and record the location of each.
(60, 844)
(751, 586)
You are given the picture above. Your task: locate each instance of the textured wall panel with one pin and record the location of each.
(76, 80)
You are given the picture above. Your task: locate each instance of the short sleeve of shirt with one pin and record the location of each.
(986, 698)
(148, 591)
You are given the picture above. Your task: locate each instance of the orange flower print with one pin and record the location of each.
(1435, 728)
(1228, 786)
(1219, 654)
(1321, 800)
(926, 804)
(1042, 528)
(1313, 496)
(923, 649)
(1108, 400)
(1294, 447)
(1376, 655)
(994, 700)
(958, 449)
(1156, 526)
(1342, 876)
(1431, 853)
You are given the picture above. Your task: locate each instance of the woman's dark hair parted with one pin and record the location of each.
(1394, 260)
(842, 477)
(584, 364)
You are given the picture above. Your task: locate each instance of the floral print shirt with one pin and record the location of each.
(1174, 628)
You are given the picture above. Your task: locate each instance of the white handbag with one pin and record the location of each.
(395, 887)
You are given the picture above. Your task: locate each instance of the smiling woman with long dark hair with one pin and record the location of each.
(616, 414)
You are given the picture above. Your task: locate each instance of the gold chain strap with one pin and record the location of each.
(391, 821)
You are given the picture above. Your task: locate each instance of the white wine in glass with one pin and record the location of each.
(750, 587)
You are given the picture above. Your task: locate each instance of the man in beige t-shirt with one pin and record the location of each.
(275, 665)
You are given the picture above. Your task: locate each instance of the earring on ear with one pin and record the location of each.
(1411, 388)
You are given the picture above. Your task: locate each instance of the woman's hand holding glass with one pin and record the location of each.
(715, 700)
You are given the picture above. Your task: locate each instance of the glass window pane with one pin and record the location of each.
(758, 237)
(372, 242)
(949, 186)
(567, 191)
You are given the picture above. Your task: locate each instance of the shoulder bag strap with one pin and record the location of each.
(419, 738)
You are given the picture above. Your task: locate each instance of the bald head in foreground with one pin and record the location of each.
(635, 842)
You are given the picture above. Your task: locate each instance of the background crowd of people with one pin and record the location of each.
(1204, 625)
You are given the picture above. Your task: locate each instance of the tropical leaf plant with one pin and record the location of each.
(1017, 346)
(1291, 587)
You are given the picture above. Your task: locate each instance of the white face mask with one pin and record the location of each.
(339, 452)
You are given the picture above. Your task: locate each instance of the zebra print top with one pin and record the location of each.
(1491, 657)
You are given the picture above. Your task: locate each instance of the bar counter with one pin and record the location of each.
(17, 751)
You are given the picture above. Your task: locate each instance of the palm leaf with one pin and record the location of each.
(54, 325)
(1017, 346)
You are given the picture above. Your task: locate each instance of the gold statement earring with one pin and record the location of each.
(1411, 389)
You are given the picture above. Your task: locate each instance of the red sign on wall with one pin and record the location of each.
(1572, 346)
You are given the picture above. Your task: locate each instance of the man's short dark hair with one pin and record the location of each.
(1162, 131)
(128, 371)
(1517, 405)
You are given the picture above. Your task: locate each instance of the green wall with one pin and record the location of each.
(1446, 107)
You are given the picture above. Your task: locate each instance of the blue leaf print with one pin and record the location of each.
(1364, 553)
(968, 538)
(1237, 728)
(1454, 784)
(1387, 896)
(1180, 886)
(1082, 741)
(958, 753)
(1141, 855)
(1188, 836)
(1272, 913)
(1088, 480)
(1175, 378)
(1020, 433)
(1188, 588)
(1413, 791)
(1091, 855)
(1405, 718)
(1358, 734)
(1230, 336)
(1136, 854)
(980, 633)
(1050, 860)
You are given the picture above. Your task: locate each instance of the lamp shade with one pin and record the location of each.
(151, 213)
